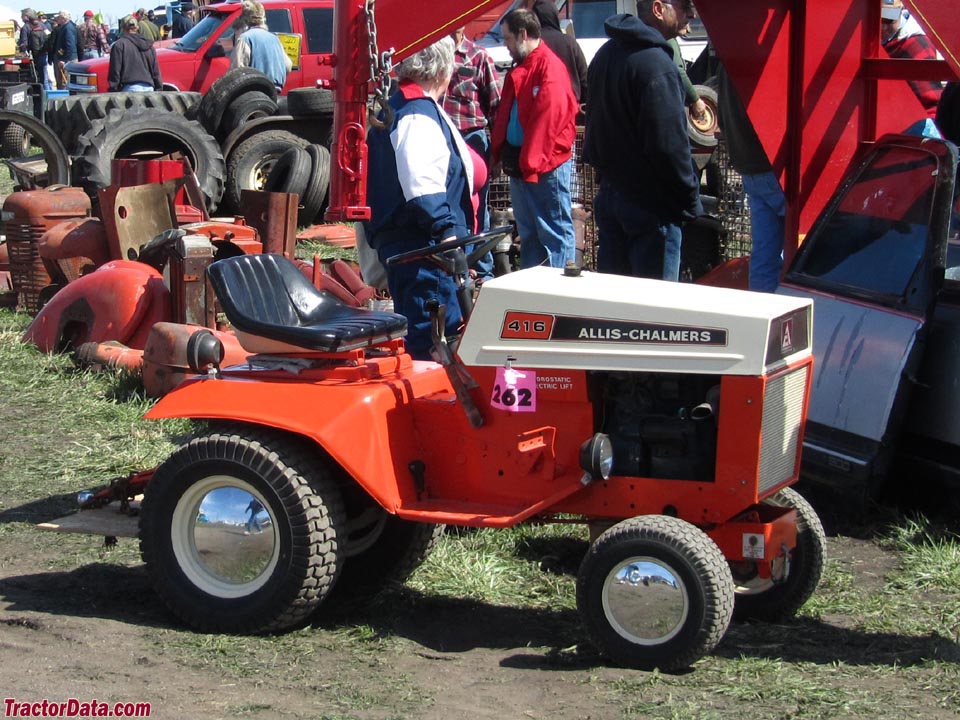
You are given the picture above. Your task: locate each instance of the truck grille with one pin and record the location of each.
(782, 419)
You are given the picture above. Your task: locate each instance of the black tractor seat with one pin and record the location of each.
(274, 308)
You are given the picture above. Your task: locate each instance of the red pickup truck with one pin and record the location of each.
(195, 61)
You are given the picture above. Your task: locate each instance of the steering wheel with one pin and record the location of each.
(487, 241)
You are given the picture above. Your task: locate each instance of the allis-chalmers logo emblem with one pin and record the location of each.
(786, 337)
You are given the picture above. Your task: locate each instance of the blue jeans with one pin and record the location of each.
(633, 240)
(542, 211)
(767, 208)
(89, 54)
(480, 142)
(137, 87)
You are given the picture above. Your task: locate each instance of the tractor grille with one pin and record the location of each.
(780, 430)
(26, 268)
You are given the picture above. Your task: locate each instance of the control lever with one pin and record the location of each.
(459, 378)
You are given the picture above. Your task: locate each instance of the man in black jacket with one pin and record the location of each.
(636, 138)
(133, 61)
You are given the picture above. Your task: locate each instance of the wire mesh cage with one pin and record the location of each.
(733, 208)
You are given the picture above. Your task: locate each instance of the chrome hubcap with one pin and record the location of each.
(224, 537)
(645, 601)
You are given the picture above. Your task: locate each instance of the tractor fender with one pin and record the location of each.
(367, 428)
(311, 129)
(118, 302)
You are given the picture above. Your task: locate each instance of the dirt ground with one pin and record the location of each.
(97, 631)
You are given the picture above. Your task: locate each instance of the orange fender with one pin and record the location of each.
(120, 302)
(367, 427)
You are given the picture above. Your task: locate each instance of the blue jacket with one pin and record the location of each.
(67, 42)
(636, 125)
(419, 187)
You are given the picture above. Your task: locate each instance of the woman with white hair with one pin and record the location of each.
(419, 188)
(255, 46)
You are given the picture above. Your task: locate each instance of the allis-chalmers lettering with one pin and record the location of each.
(587, 329)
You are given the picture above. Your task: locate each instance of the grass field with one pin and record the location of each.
(487, 627)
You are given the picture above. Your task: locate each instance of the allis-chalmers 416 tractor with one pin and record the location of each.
(667, 418)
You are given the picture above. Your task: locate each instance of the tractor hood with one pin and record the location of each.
(542, 318)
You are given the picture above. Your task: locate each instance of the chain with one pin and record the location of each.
(381, 65)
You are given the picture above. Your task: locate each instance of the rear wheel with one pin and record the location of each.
(655, 592)
(762, 598)
(241, 533)
(247, 107)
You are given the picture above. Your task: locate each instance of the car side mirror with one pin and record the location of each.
(216, 50)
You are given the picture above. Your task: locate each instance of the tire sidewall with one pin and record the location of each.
(160, 505)
(601, 561)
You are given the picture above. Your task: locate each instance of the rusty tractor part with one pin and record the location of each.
(73, 248)
(165, 360)
(31, 214)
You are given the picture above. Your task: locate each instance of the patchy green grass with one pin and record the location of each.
(879, 639)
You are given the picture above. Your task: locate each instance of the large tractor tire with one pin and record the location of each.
(655, 592)
(73, 116)
(762, 599)
(249, 106)
(144, 133)
(227, 88)
(241, 532)
(250, 162)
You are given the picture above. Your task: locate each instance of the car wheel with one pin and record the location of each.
(291, 173)
(249, 106)
(312, 203)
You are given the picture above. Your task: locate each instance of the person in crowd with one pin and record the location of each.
(564, 46)
(902, 37)
(637, 142)
(698, 108)
(471, 102)
(420, 187)
(133, 61)
(146, 27)
(24, 29)
(92, 38)
(533, 136)
(37, 36)
(255, 46)
(182, 21)
(66, 46)
(768, 204)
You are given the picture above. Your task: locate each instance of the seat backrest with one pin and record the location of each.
(265, 288)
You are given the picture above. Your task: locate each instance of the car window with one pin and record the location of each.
(876, 237)
(278, 21)
(198, 34)
(319, 24)
(588, 17)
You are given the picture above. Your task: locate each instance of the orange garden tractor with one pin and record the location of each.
(667, 418)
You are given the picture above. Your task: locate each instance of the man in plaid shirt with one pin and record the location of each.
(902, 37)
(471, 102)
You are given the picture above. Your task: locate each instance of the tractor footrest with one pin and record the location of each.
(460, 512)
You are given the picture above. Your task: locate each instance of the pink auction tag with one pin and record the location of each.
(515, 390)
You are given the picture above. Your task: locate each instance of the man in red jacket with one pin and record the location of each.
(532, 140)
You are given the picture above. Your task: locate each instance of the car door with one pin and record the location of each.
(318, 44)
(873, 264)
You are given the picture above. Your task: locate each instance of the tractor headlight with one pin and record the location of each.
(596, 458)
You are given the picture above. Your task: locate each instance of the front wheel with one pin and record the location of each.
(763, 599)
(240, 533)
(655, 592)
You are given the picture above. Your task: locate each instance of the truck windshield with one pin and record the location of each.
(198, 34)
(876, 237)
